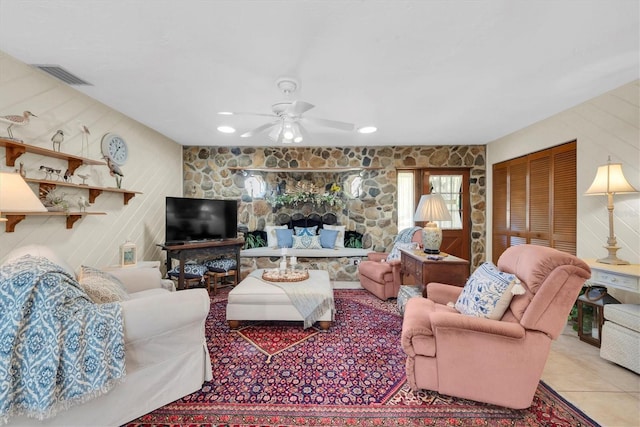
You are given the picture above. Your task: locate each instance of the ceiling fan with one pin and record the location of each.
(287, 125)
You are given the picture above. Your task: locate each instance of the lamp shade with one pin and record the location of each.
(432, 207)
(610, 179)
(16, 196)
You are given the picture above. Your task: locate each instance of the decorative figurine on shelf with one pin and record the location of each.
(49, 171)
(57, 139)
(114, 171)
(55, 201)
(22, 171)
(14, 120)
(84, 178)
(67, 176)
(83, 203)
(85, 139)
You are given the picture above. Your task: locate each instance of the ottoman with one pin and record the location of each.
(407, 292)
(257, 299)
(621, 335)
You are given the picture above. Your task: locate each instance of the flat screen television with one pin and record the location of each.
(192, 220)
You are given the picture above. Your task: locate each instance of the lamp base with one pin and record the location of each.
(612, 258)
(432, 251)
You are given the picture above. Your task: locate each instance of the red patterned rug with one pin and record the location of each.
(277, 374)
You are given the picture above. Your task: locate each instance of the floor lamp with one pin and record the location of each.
(609, 181)
(16, 195)
(432, 207)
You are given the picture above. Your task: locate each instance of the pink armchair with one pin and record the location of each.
(493, 361)
(383, 279)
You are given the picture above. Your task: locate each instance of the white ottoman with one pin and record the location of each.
(255, 299)
(621, 335)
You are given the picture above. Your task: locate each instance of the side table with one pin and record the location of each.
(450, 270)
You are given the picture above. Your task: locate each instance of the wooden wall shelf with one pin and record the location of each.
(94, 192)
(16, 148)
(13, 218)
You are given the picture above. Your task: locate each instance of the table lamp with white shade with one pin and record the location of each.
(610, 180)
(432, 207)
(16, 195)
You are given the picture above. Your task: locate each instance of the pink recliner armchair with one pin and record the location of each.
(382, 277)
(493, 361)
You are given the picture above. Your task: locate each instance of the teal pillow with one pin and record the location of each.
(328, 238)
(284, 237)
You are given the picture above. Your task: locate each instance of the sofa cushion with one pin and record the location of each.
(328, 238)
(191, 271)
(272, 238)
(487, 292)
(285, 238)
(221, 265)
(100, 286)
(306, 242)
(341, 233)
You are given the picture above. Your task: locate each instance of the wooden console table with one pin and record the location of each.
(202, 250)
(450, 270)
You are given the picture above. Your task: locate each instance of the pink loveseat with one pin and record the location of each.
(383, 278)
(493, 361)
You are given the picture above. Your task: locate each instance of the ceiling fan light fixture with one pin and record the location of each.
(226, 129)
(367, 129)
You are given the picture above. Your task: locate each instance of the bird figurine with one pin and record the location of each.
(57, 139)
(14, 120)
(84, 178)
(83, 203)
(85, 139)
(114, 171)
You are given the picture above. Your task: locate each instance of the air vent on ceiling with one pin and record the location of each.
(62, 74)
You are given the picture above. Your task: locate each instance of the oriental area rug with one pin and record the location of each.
(277, 374)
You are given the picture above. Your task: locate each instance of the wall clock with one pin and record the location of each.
(115, 148)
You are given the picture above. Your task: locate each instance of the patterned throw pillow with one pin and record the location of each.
(306, 231)
(101, 286)
(221, 265)
(488, 292)
(285, 238)
(272, 238)
(306, 242)
(341, 233)
(191, 271)
(328, 238)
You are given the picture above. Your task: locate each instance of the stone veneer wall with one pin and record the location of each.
(216, 172)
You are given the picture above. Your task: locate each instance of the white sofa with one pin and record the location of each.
(166, 355)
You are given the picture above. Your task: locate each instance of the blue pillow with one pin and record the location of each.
(220, 265)
(328, 238)
(285, 237)
(306, 231)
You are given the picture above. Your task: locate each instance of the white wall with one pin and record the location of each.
(607, 125)
(154, 168)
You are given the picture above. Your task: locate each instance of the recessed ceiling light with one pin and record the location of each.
(226, 129)
(367, 129)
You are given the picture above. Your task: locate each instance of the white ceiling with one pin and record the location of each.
(423, 72)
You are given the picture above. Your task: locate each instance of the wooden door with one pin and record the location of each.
(453, 185)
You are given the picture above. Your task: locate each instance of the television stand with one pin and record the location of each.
(202, 250)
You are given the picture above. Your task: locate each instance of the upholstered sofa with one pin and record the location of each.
(166, 355)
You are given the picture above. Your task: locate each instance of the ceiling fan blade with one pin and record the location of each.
(244, 113)
(330, 123)
(259, 129)
(298, 107)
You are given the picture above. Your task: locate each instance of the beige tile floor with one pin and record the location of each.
(606, 392)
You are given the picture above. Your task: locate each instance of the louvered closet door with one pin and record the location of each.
(534, 200)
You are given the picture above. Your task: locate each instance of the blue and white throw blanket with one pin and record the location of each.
(57, 348)
(403, 240)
